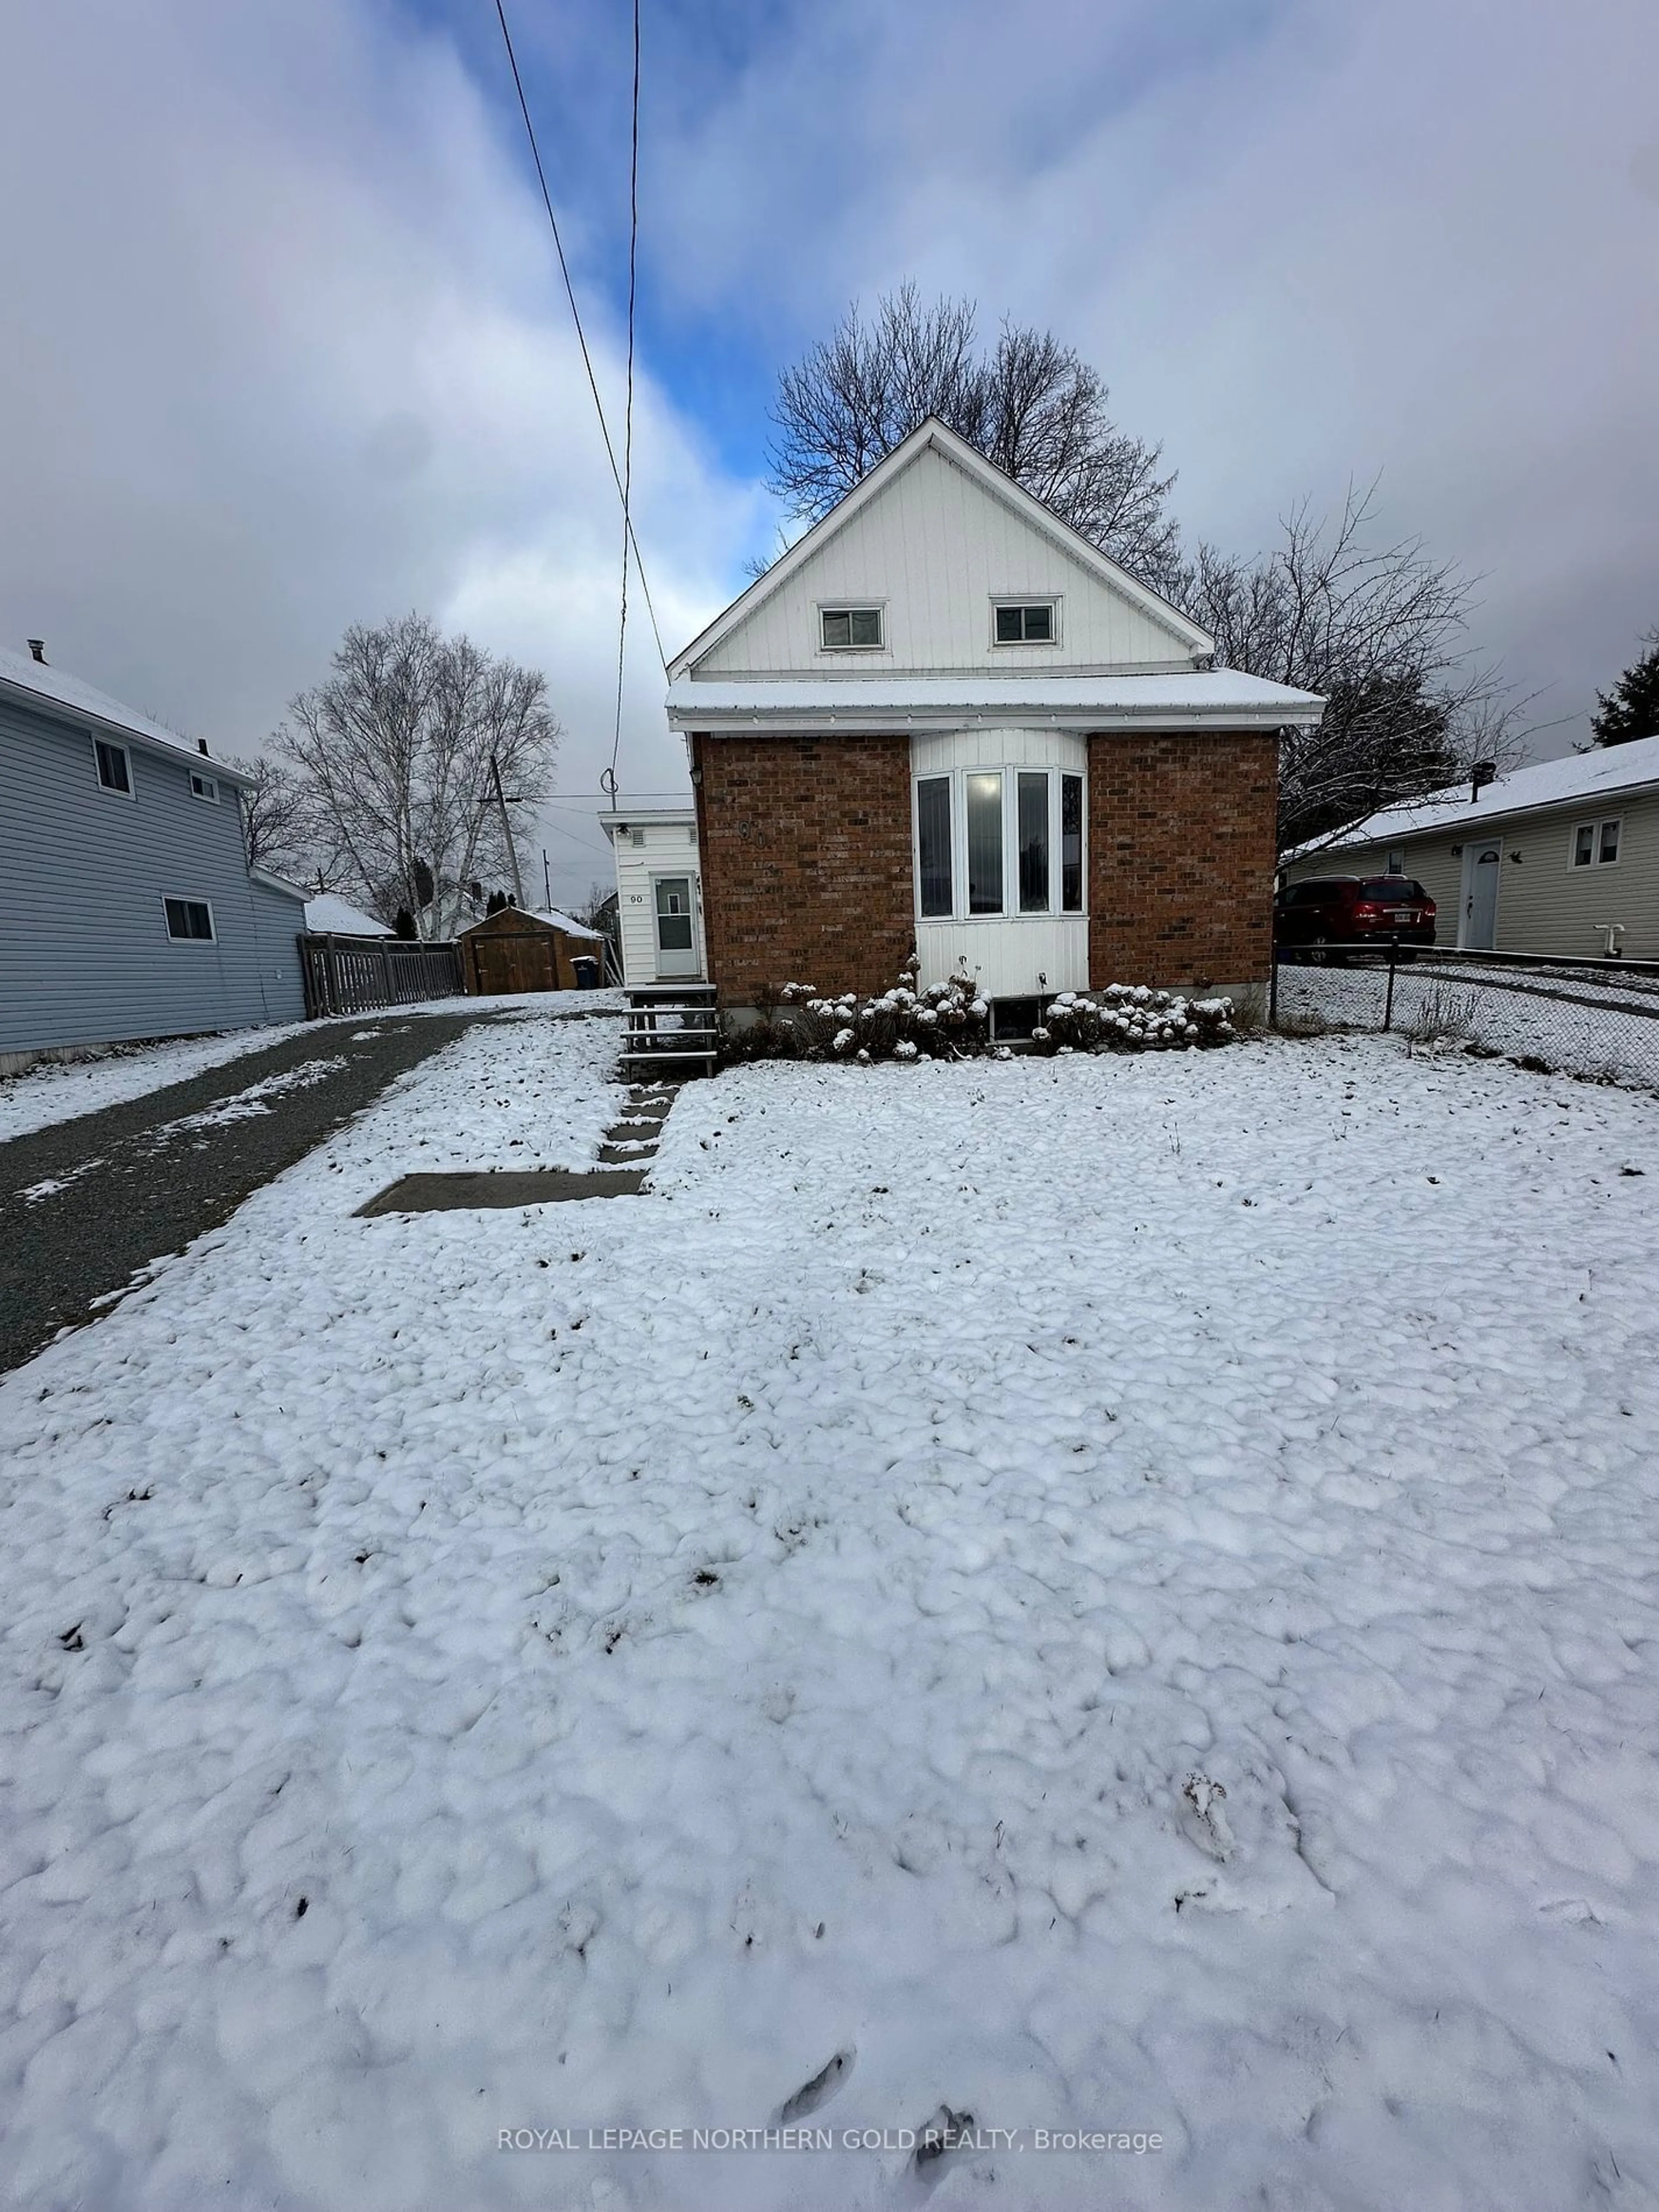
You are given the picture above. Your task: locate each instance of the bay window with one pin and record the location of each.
(998, 843)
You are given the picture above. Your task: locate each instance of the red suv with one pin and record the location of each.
(1321, 916)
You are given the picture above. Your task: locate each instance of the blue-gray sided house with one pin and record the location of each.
(127, 906)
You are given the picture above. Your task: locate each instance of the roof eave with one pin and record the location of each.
(162, 748)
(894, 720)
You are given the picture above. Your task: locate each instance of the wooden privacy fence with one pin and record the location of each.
(351, 974)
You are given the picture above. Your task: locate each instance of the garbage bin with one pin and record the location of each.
(587, 972)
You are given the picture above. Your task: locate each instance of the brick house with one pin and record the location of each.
(942, 720)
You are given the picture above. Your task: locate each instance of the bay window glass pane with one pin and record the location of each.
(1070, 844)
(985, 844)
(934, 845)
(1609, 840)
(1033, 843)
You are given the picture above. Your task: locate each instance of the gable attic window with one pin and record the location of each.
(114, 766)
(204, 786)
(850, 630)
(1025, 622)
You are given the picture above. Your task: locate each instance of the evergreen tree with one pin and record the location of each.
(1631, 709)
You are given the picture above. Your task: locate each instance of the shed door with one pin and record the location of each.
(677, 949)
(1480, 899)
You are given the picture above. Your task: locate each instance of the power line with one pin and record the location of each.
(575, 312)
(608, 781)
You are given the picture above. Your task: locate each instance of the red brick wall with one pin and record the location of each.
(805, 852)
(1182, 849)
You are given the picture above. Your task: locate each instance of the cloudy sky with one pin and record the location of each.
(283, 345)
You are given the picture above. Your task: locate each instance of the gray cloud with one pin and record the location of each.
(285, 349)
(1305, 242)
(288, 354)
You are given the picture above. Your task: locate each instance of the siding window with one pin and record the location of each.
(1595, 844)
(1033, 800)
(935, 885)
(1070, 844)
(985, 844)
(204, 786)
(1029, 622)
(114, 766)
(190, 921)
(1396, 863)
(850, 630)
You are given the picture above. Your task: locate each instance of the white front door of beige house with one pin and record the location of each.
(1481, 869)
(676, 926)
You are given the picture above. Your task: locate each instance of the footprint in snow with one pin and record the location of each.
(819, 2090)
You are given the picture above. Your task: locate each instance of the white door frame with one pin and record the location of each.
(1473, 849)
(688, 876)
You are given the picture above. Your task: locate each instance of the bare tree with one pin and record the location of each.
(395, 755)
(276, 822)
(1030, 405)
(1381, 629)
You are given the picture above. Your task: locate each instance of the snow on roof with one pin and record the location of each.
(564, 921)
(328, 914)
(21, 671)
(551, 915)
(1185, 696)
(1578, 778)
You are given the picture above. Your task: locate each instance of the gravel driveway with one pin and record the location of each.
(85, 1204)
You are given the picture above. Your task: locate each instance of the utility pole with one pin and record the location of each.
(506, 828)
(547, 881)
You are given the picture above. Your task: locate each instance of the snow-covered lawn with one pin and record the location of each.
(591, 1667)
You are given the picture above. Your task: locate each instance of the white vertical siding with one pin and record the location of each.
(935, 549)
(670, 849)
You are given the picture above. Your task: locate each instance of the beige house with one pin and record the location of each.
(1561, 857)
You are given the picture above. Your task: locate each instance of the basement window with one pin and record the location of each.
(114, 766)
(850, 630)
(1025, 622)
(190, 921)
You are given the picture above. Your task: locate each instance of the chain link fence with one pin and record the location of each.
(1590, 1017)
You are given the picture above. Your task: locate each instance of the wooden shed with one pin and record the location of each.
(517, 950)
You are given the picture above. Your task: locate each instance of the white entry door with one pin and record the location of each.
(1483, 866)
(677, 943)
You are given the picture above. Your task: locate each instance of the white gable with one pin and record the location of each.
(935, 535)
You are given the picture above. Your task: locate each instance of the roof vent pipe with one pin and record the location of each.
(201, 744)
(38, 650)
(1482, 774)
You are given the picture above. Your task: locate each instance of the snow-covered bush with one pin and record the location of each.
(1131, 1017)
(945, 1021)
(951, 1021)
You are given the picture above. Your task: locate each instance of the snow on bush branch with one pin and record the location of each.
(952, 1021)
